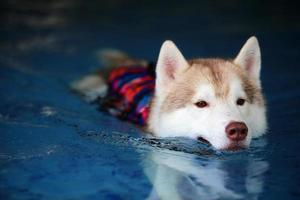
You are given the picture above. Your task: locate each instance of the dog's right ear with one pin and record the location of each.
(169, 65)
(249, 58)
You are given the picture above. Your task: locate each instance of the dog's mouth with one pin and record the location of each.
(235, 147)
(201, 139)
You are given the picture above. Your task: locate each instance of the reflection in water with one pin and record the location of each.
(180, 176)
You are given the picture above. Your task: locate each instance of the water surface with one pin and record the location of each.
(55, 146)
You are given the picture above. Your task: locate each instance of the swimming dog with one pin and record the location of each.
(218, 101)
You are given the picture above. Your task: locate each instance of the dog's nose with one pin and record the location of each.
(236, 131)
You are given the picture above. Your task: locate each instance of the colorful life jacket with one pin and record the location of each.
(130, 91)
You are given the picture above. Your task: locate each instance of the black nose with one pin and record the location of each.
(236, 131)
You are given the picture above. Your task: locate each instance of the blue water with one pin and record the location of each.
(55, 146)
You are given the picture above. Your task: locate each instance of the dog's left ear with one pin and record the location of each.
(170, 65)
(249, 58)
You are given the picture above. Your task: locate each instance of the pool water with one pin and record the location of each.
(53, 145)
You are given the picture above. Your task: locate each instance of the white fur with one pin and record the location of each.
(170, 58)
(209, 122)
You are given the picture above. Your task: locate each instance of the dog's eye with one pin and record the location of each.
(240, 101)
(201, 104)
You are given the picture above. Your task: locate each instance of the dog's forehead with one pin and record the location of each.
(217, 74)
(200, 73)
(224, 77)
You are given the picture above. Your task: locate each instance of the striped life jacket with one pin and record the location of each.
(130, 91)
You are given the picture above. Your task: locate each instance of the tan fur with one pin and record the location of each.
(217, 72)
(253, 91)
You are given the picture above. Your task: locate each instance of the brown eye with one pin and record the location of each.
(201, 104)
(240, 101)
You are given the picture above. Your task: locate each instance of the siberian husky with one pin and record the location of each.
(218, 101)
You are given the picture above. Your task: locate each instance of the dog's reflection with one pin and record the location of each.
(180, 176)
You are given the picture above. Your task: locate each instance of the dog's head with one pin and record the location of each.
(217, 100)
